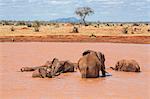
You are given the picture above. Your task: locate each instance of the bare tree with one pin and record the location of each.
(82, 12)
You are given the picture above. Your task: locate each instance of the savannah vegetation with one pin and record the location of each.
(53, 28)
(83, 27)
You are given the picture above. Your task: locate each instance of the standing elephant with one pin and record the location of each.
(127, 66)
(91, 63)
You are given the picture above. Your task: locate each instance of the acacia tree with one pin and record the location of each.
(82, 12)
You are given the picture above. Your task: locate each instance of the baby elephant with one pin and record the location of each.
(56, 68)
(127, 66)
(41, 72)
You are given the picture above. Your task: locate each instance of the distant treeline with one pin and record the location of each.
(10, 22)
(29, 23)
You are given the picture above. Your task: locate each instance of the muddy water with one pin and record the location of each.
(17, 85)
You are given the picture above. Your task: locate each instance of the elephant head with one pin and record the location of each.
(51, 68)
(40, 72)
(59, 67)
(68, 67)
(91, 63)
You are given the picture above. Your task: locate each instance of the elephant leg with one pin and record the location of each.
(84, 72)
(75, 66)
(103, 71)
(27, 69)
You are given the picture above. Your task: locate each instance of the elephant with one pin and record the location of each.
(91, 63)
(50, 68)
(68, 67)
(56, 68)
(28, 69)
(127, 66)
(59, 67)
(41, 73)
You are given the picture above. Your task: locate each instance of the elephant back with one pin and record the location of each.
(127, 66)
(90, 64)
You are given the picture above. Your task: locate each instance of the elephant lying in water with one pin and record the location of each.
(28, 69)
(127, 66)
(91, 63)
(51, 69)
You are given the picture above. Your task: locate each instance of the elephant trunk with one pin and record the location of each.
(112, 68)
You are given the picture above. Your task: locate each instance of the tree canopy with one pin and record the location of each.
(82, 12)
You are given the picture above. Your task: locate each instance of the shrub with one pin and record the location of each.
(12, 28)
(75, 30)
(36, 24)
(98, 25)
(36, 29)
(125, 31)
(93, 35)
(57, 26)
(107, 25)
(5, 23)
(135, 24)
(29, 25)
(121, 24)
(19, 23)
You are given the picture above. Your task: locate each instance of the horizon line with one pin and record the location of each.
(76, 22)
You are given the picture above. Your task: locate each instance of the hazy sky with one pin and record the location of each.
(105, 10)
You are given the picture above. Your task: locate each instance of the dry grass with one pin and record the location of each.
(65, 30)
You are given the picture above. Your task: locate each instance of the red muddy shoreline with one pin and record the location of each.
(77, 38)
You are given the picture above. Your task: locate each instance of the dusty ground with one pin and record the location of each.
(77, 38)
(136, 34)
(65, 30)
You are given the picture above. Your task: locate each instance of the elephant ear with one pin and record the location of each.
(103, 57)
(55, 66)
(86, 52)
(100, 56)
